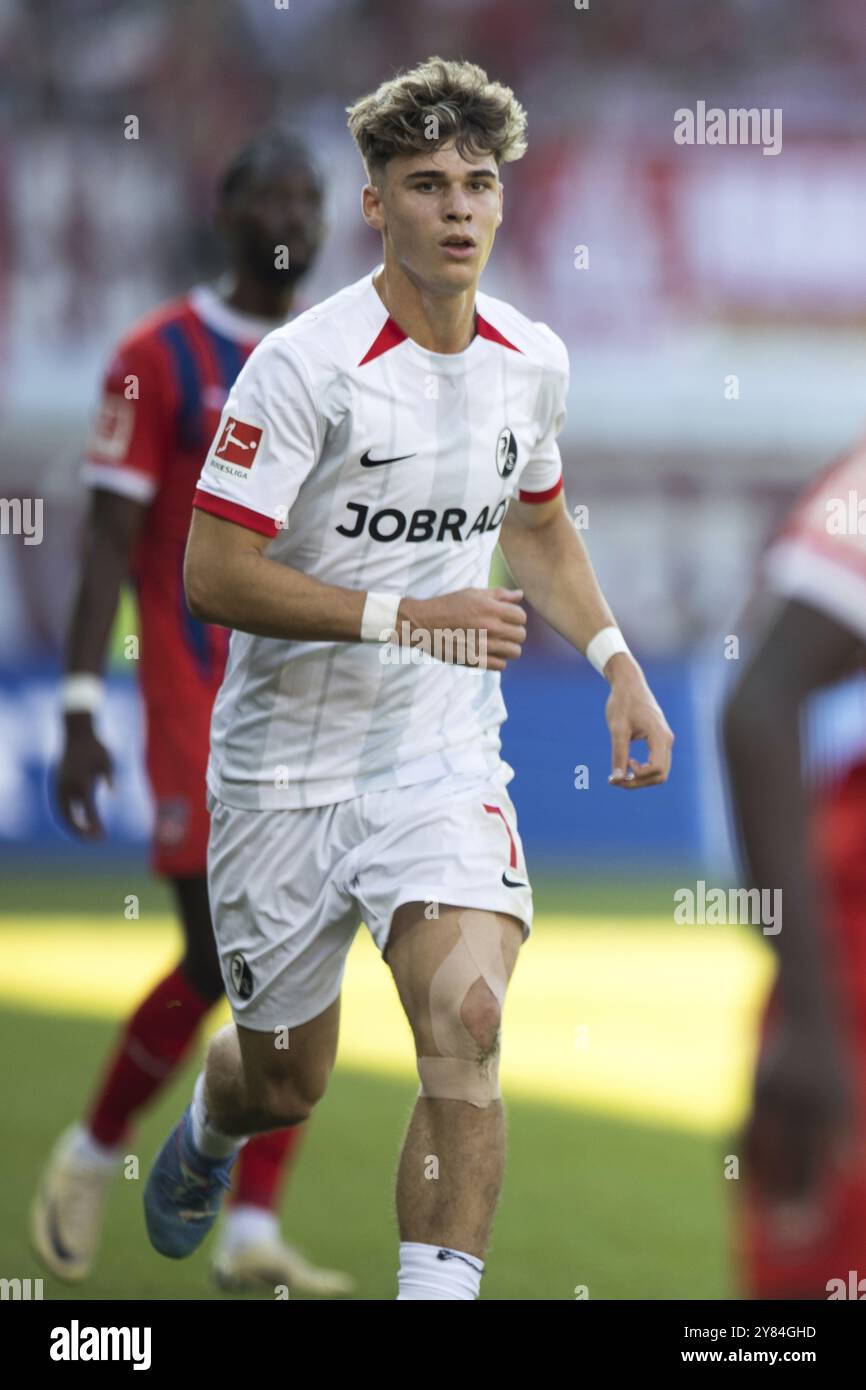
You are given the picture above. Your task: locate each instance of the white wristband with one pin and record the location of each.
(380, 615)
(604, 645)
(81, 693)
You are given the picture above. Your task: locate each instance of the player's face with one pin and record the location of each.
(277, 207)
(427, 201)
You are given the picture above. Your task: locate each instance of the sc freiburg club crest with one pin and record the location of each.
(506, 452)
(242, 976)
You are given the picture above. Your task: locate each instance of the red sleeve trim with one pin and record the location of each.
(541, 496)
(233, 511)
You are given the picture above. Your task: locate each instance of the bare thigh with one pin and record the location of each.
(294, 1063)
(416, 949)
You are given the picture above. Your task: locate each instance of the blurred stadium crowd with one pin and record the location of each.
(698, 268)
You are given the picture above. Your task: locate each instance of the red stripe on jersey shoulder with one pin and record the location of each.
(233, 511)
(389, 336)
(147, 329)
(486, 330)
(541, 496)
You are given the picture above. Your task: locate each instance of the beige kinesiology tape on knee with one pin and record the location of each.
(463, 1072)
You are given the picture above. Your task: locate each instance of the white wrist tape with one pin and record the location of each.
(604, 645)
(380, 615)
(81, 693)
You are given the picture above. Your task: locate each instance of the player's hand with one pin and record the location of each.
(633, 712)
(85, 760)
(489, 626)
(800, 1130)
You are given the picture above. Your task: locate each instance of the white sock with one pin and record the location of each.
(437, 1272)
(210, 1141)
(248, 1225)
(86, 1149)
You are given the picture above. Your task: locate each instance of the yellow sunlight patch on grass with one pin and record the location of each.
(647, 1020)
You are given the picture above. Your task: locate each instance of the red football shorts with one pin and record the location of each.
(178, 740)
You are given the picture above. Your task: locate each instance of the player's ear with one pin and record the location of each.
(371, 207)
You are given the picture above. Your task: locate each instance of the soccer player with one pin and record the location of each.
(164, 391)
(369, 457)
(800, 1223)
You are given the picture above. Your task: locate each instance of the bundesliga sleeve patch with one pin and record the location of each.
(238, 443)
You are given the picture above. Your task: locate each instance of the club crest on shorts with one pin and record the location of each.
(242, 976)
(506, 452)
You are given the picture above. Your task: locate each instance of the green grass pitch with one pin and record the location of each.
(627, 1045)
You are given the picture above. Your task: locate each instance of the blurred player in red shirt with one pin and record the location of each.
(800, 1221)
(163, 395)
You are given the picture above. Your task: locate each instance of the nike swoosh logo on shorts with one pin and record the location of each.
(513, 882)
(367, 462)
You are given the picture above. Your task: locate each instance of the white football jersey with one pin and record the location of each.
(374, 464)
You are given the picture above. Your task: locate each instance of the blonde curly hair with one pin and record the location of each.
(434, 103)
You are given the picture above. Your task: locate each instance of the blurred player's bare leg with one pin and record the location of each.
(68, 1207)
(451, 975)
(255, 1082)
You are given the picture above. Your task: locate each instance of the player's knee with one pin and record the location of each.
(481, 1016)
(291, 1099)
(284, 1106)
(465, 1063)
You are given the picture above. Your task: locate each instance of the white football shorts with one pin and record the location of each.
(289, 889)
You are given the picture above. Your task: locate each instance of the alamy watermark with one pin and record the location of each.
(77, 1343)
(455, 646)
(729, 907)
(846, 516)
(22, 516)
(738, 126)
(23, 1290)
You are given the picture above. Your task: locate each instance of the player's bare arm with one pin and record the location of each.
(550, 562)
(113, 524)
(801, 651)
(229, 580)
(806, 1087)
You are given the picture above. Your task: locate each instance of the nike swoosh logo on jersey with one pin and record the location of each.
(514, 882)
(367, 462)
